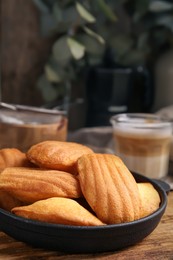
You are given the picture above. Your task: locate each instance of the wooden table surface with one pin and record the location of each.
(158, 245)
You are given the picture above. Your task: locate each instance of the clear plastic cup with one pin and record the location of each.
(143, 141)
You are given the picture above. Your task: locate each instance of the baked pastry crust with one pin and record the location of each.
(32, 184)
(12, 157)
(57, 155)
(109, 188)
(78, 186)
(150, 199)
(7, 201)
(58, 211)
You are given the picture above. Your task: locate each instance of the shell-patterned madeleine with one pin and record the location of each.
(58, 211)
(12, 157)
(32, 184)
(57, 155)
(150, 199)
(109, 188)
(7, 201)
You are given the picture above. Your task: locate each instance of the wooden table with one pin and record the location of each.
(158, 245)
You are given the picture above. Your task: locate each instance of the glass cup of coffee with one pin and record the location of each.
(24, 128)
(143, 141)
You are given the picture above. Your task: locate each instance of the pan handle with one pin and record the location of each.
(164, 185)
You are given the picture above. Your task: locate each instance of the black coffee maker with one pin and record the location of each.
(114, 90)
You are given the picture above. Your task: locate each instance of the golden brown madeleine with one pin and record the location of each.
(57, 155)
(109, 188)
(149, 197)
(58, 211)
(12, 157)
(32, 184)
(8, 202)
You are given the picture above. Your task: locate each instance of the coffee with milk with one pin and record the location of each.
(143, 142)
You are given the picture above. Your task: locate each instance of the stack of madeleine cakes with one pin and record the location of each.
(68, 183)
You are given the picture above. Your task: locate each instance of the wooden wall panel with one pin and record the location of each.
(23, 52)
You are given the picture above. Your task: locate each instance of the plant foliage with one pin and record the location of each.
(126, 32)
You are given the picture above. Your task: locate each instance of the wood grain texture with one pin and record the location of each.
(158, 245)
(24, 51)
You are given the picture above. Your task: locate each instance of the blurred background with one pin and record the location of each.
(91, 58)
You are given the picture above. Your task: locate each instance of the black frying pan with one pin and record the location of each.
(82, 239)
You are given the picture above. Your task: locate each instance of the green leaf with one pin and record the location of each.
(61, 51)
(52, 75)
(91, 44)
(66, 18)
(71, 16)
(76, 48)
(93, 34)
(48, 91)
(48, 24)
(160, 6)
(84, 13)
(106, 9)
